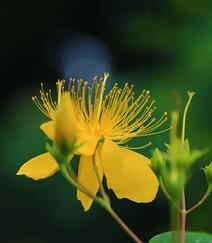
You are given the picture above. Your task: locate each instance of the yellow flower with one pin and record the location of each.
(105, 123)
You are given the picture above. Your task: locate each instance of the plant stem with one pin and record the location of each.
(175, 223)
(130, 233)
(110, 210)
(101, 201)
(102, 190)
(201, 201)
(65, 173)
(168, 196)
(183, 218)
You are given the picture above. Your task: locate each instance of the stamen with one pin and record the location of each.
(46, 104)
(118, 114)
(140, 147)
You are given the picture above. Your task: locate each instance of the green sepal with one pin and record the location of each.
(208, 174)
(178, 152)
(67, 148)
(56, 154)
(196, 154)
(181, 154)
(158, 162)
(59, 156)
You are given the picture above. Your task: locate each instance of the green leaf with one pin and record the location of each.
(190, 237)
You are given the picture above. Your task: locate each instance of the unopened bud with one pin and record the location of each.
(174, 183)
(157, 162)
(208, 174)
(66, 130)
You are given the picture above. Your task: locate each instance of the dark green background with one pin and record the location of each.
(163, 46)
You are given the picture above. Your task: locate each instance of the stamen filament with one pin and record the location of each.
(117, 115)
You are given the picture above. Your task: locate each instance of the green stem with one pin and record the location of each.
(121, 223)
(201, 201)
(183, 218)
(102, 190)
(173, 136)
(98, 200)
(168, 196)
(101, 201)
(175, 216)
(184, 212)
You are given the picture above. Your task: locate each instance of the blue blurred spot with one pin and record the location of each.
(83, 57)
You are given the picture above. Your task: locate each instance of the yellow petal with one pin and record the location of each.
(138, 182)
(88, 142)
(135, 156)
(40, 167)
(65, 122)
(87, 177)
(48, 129)
(111, 162)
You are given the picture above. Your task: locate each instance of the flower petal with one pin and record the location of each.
(48, 129)
(138, 182)
(40, 167)
(87, 177)
(111, 162)
(88, 143)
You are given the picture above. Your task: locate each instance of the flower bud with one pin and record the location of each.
(66, 129)
(174, 183)
(157, 162)
(181, 154)
(208, 174)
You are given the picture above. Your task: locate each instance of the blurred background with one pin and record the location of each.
(161, 45)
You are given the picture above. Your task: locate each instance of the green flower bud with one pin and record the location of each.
(208, 174)
(181, 154)
(178, 152)
(174, 183)
(157, 162)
